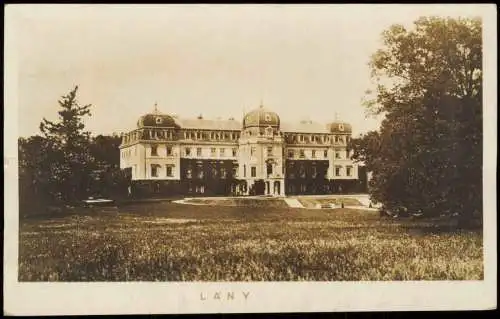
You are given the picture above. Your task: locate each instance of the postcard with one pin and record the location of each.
(171, 159)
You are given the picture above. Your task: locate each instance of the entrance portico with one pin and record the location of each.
(275, 187)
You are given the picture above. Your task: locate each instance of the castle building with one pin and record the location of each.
(260, 156)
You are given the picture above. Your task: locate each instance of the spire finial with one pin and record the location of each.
(336, 116)
(156, 107)
(261, 103)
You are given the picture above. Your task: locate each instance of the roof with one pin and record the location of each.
(305, 127)
(340, 127)
(203, 124)
(261, 117)
(156, 120)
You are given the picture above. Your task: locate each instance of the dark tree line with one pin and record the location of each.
(65, 164)
(426, 158)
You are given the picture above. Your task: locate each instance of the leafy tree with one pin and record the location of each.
(70, 156)
(110, 179)
(105, 150)
(427, 155)
(35, 175)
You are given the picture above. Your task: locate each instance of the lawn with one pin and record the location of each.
(163, 241)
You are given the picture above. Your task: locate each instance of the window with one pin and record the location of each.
(234, 152)
(235, 171)
(325, 153)
(291, 153)
(349, 171)
(254, 171)
(198, 151)
(302, 172)
(212, 151)
(214, 172)
(337, 154)
(314, 172)
(170, 171)
(244, 171)
(188, 151)
(189, 172)
(302, 154)
(158, 120)
(338, 170)
(154, 170)
(169, 150)
(223, 172)
(269, 169)
(313, 153)
(222, 152)
(154, 150)
(200, 172)
(252, 151)
(270, 151)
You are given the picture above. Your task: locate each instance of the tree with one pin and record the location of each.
(105, 150)
(70, 157)
(427, 155)
(110, 180)
(35, 187)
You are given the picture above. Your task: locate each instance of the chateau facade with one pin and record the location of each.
(260, 156)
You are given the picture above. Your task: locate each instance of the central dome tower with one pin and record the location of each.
(261, 117)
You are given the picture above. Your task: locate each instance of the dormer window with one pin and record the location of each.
(341, 127)
(269, 131)
(158, 120)
(267, 117)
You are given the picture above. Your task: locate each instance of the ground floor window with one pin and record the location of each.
(170, 170)
(154, 170)
(337, 170)
(254, 171)
(349, 171)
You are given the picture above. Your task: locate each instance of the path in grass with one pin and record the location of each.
(310, 202)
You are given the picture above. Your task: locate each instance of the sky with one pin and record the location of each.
(301, 61)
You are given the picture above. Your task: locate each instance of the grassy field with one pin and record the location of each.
(164, 241)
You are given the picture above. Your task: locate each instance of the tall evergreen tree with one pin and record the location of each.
(71, 162)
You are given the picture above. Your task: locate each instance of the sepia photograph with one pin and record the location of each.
(249, 158)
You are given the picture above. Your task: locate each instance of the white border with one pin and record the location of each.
(137, 298)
